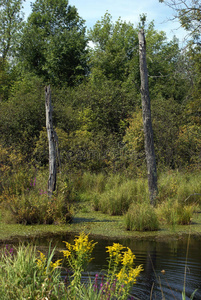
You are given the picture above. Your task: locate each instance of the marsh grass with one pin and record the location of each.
(25, 201)
(118, 199)
(119, 194)
(23, 278)
(179, 197)
(141, 217)
(183, 186)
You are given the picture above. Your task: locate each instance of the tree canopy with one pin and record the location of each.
(11, 19)
(53, 44)
(96, 91)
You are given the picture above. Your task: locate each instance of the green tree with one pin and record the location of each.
(22, 117)
(54, 44)
(115, 45)
(11, 24)
(115, 57)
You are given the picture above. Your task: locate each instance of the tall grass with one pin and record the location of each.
(183, 186)
(24, 194)
(23, 278)
(178, 198)
(141, 217)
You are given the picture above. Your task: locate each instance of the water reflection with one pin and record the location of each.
(155, 257)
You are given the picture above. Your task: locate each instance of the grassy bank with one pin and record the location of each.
(99, 204)
(97, 223)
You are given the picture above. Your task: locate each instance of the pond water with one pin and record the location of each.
(155, 256)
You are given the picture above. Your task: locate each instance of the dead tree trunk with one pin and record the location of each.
(147, 124)
(51, 141)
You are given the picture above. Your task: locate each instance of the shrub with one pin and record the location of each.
(33, 206)
(141, 217)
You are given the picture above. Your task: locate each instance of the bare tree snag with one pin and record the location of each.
(52, 142)
(147, 124)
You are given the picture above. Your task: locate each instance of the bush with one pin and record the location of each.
(141, 217)
(33, 206)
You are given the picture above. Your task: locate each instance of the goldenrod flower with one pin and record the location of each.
(114, 249)
(82, 244)
(129, 276)
(56, 264)
(128, 258)
(41, 261)
(66, 253)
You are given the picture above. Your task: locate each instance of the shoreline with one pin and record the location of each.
(98, 225)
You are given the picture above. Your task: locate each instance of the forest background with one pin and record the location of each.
(96, 104)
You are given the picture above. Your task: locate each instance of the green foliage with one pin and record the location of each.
(189, 143)
(115, 45)
(24, 277)
(6, 79)
(167, 117)
(23, 115)
(15, 177)
(26, 274)
(24, 199)
(164, 60)
(53, 44)
(177, 143)
(11, 25)
(41, 151)
(141, 217)
(134, 139)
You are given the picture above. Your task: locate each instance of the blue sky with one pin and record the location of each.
(129, 10)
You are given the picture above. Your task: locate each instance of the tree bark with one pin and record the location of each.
(147, 123)
(52, 143)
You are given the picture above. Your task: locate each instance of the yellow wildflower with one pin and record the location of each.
(56, 264)
(82, 244)
(128, 258)
(114, 249)
(66, 253)
(41, 261)
(134, 273)
(121, 275)
(68, 246)
(129, 276)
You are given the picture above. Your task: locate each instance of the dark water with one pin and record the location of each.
(155, 257)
